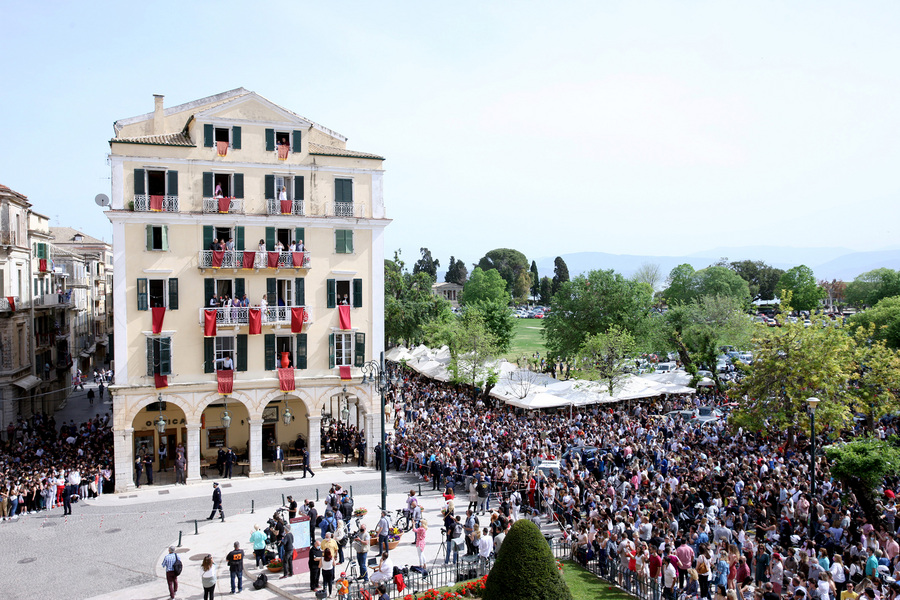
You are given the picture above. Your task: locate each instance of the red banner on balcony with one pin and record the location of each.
(156, 203)
(222, 148)
(344, 317)
(298, 316)
(209, 322)
(160, 381)
(273, 259)
(297, 258)
(283, 150)
(226, 381)
(286, 379)
(42, 265)
(12, 303)
(158, 312)
(345, 373)
(285, 207)
(249, 257)
(254, 318)
(217, 257)
(224, 205)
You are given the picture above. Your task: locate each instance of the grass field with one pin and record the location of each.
(527, 339)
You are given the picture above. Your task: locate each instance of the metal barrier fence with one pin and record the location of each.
(611, 570)
(467, 569)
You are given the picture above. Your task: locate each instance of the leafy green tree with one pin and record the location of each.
(603, 357)
(862, 465)
(876, 376)
(473, 348)
(884, 318)
(592, 304)
(535, 281)
(525, 568)
(790, 364)
(484, 286)
(872, 286)
(546, 292)
(522, 287)
(560, 274)
(687, 285)
(801, 283)
(681, 285)
(761, 278)
(456, 272)
(427, 264)
(509, 263)
(409, 304)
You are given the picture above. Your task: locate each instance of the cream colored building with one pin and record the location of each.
(237, 167)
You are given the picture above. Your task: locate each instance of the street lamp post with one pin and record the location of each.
(812, 403)
(374, 372)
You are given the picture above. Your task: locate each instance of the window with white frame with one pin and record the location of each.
(225, 350)
(343, 349)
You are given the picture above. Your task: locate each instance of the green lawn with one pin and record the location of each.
(584, 585)
(527, 339)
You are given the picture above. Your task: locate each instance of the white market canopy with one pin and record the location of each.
(529, 390)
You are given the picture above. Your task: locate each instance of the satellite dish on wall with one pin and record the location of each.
(101, 200)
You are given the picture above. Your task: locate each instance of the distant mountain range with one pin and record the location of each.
(827, 263)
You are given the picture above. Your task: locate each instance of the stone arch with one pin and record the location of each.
(175, 399)
(299, 394)
(242, 398)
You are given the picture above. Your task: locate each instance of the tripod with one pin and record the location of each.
(442, 550)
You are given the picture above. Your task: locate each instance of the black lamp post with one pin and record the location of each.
(374, 372)
(812, 402)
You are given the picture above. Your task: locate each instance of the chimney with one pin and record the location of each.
(158, 117)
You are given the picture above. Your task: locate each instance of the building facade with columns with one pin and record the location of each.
(219, 313)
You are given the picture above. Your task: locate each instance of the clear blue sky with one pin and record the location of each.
(623, 127)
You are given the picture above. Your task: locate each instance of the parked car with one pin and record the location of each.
(665, 367)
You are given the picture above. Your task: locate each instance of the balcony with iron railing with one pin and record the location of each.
(284, 207)
(234, 259)
(235, 316)
(147, 202)
(348, 209)
(61, 300)
(223, 205)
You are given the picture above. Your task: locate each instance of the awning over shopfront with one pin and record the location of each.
(28, 382)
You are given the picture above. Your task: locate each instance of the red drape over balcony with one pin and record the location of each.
(226, 381)
(158, 312)
(249, 257)
(273, 259)
(344, 317)
(254, 318)
(217, 257)
(156, 203)
(160, 381)
(297, 258)
(209, 322)
(222, 148)
(224, 205)
(298, 316)
(345, 373)
(286, 379)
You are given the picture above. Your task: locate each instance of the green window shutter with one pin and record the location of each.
(270, 140)
(299, 292)
(207, 185)
(270, 239)
(208, 135)
(238, 238)
(165, 238)
(348, 241)
(339, 240)
(236, 138)
(269, 351)
(338, 190)
(330, 350)
(359, 350)
(172, 183)
(208, 233)
(143, 297)
(300, 234)
(298, 187)
(209, 288)
(271, 291)
(238, 185)
(165, 356)
(173, 293)
(209, 355)
(151, 357)
(139, 181)
(301, 351)
(331, 287)
(241, 352)
(297, 146)
(270, 187)
(239, 289)
(357, 293)
(149, 229)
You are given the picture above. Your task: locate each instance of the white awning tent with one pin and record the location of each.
(529, 390)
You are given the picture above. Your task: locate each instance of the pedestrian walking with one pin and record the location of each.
(208, 578)
(279, 460)
(236, 567)
(171, 576)
(90, 397)
(217, 503)
(67, 499)
(100, 390)
(306, 468)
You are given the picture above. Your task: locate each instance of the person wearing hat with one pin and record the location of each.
(343, 586)
(217, 503)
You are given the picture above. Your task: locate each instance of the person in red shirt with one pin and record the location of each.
(655, 565)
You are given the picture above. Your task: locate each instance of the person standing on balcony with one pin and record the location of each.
(264, 309)
(282, 194)
(279, 247)
(219, 193)
(214, 245)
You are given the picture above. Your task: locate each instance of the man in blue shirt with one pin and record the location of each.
(171, 578)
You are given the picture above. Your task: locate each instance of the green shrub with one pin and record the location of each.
(525, 568)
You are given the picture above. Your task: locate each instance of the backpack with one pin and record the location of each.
(177, 566)
(260, 582)
(331, 526)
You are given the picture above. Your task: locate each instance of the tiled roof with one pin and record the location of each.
(321, 150)
(66, 235)
(166, 139)
(7, 190)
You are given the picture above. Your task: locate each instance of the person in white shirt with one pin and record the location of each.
(384, 571)
(485, 545)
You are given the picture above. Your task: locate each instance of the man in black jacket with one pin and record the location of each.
(436, 470)
(313, 516)
(217, 503)
(287, 546)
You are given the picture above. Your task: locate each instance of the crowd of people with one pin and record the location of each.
(658, 502)
(43, 467)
